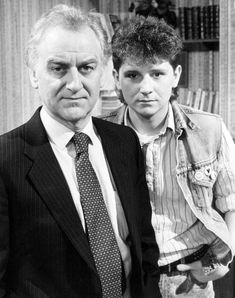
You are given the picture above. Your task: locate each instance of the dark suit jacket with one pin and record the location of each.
(44, 251)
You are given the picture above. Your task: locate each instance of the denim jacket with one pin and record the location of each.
(199, 169)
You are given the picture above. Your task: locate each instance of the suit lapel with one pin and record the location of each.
(50, 183)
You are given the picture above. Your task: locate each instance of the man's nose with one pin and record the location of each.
(74, 82)
(146, 86)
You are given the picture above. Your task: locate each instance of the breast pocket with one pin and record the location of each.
(201, 182)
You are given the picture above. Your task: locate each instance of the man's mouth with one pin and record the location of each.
(146, 100)
(74, 97)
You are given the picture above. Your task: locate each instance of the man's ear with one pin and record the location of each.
(116, 79)
(33, 78)
(177, 73)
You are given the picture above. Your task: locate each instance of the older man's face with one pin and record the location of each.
(68, 74)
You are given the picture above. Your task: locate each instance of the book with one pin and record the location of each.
(197, 98)
(202, 105)
(196, 70)
(211, 70)
(189, 101)
(188, 23)
(215, 106)
(216, 70)
(195, 22)
(109, 101)
(181, 21)
(182, 98)
(211, 21)
(216, 20)
(204, 70)
(206, 22)
(190, 70)
(210, 101)
(201, 23)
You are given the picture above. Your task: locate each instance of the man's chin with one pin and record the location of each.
(77, 115)
(147, 112)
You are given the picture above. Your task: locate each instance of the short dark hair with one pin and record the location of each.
(147, 40)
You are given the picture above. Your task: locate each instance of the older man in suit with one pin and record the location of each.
(74, 205)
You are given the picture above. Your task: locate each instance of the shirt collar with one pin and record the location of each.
(61, 135)
(170, 118)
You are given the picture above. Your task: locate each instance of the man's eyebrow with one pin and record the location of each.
(89, 60)
(64, 61)
(57, 60)
(127, 71)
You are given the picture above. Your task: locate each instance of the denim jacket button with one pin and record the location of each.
(213, 175)
(208, 171)
(199, 175)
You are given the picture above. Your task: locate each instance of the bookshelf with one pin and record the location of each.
(209, 62)
(198, 25)
(201, 45)
(198, 19)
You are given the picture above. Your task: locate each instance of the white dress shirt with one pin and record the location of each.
(60, 140)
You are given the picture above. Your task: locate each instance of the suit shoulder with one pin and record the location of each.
(10, 135)
(116, 116)
(10, 144)
(117, 133)
(118, 128)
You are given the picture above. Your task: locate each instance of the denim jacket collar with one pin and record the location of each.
(182, 120)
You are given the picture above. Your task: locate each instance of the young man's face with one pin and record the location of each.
(147, 87)
(68, 73)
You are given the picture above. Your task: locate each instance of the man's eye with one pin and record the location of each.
(132, 75)
(87, 68)
(156, 74)
(58, 69)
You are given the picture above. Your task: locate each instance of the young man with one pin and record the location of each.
(75, 217)
(189, 156)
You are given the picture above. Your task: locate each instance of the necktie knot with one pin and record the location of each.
(81, 142)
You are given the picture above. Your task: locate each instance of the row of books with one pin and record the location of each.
(109, 101)
(198, 21)
(205, 100)
(202, 70)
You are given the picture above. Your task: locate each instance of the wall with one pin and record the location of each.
(227, 63)
(117, 7)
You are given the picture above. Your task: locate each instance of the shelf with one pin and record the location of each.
(201, 45)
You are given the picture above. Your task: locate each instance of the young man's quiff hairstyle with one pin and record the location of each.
(67, 17)
(145, 40)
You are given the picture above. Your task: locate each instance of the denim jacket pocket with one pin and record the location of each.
(201, 183)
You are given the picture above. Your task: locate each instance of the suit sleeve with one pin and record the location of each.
(4, 237)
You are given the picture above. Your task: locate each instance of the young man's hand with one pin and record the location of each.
(204, 273)
(199, 275)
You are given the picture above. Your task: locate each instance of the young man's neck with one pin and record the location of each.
(148, 125)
